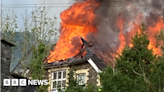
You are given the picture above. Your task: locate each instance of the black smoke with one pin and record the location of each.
(109, 10)
(107, 14)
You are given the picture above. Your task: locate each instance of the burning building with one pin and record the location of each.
(107, 26)
(86, 68)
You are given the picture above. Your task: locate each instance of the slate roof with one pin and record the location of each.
(65, 63)
(79, 60)
(99, 62)
(4, 41)
(17, 76)
(75, 61)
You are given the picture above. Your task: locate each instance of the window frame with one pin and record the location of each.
(77, 79)
(57, 79)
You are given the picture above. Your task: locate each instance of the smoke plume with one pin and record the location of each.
(109, 11)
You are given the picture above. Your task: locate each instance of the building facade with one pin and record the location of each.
(86, 72)
(87, 68)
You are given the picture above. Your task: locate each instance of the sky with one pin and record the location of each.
(19, 7)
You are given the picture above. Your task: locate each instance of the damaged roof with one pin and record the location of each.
(75, 61)
(78, 59)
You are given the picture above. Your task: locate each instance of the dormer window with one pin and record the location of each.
(81, 78)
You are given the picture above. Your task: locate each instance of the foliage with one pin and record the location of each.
(74, 87)
(38, 28)
(36, 66)
(157, 74)
(137, 69)
(42, 32)
(34, 42)
(72, 84)
(8, 28)
(160, 40)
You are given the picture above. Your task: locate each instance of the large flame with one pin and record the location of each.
(77, 21)
(151, 31)
(120, 25)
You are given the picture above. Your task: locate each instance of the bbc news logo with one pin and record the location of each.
(23, 82)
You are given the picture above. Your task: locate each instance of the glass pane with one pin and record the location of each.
(54, 84)
(59, 84)
(63, 83)
(64, 74)
(55, 75)
(59, 75)
(81, 79)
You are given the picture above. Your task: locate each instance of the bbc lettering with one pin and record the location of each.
(23, 82)
(14, 82)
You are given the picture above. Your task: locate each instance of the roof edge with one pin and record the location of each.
(5, 41)
(90, 61)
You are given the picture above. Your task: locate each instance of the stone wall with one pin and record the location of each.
(92, 77)
(6, 49)
(5, 64)
(5, 58)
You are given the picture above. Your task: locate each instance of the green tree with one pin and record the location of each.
(35, 42)
(133, 70)
(37, 70)
(157, 75)
(160, 40)
(38, 28)
(73, 84)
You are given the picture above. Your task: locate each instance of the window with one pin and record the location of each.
(58, 80)
(81, 79)
(54, 75)
(59, 74)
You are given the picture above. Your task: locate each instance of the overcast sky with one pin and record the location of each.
(21, 6)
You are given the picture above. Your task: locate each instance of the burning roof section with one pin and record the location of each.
(80, 58)
(111, 24)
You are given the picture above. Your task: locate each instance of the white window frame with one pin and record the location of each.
(84, 81)
(61, 79)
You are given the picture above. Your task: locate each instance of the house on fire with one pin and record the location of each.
(86, 69)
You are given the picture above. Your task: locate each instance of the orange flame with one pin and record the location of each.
(76, 23)
(120, 24)
(152, 30)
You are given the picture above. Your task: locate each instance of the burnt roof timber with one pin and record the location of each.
(78, 60)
